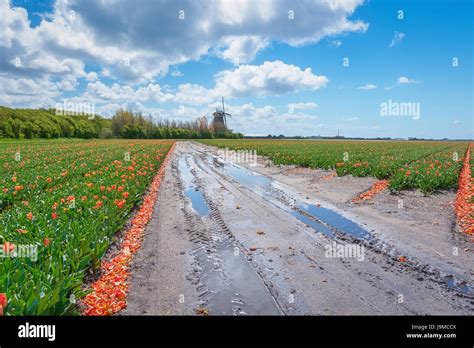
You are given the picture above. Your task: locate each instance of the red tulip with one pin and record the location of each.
(8, 247)
(3, 302)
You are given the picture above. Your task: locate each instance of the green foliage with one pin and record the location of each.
(30, 124)
(47, 124)
(60, 200)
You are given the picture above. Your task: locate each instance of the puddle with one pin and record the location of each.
(230, 285)
(315, 225)
(190, 189)
(265, 187)
(304, 212)
(457, 285)
(336, 220)
(247, 178)
(235, 288)
(310, 214)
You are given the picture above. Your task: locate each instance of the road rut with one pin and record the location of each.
(225, 240)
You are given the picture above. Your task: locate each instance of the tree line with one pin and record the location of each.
(128, 124)
(47, 124)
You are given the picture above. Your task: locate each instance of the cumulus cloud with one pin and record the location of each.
(92, 76)
(100, 92)
(154, 35)
(27, 92)
(14, 25)
(268, 118)
(368, 87)
(134, 42)
(105, 72)
(269, 78)
(245, 116)
(248, 112)
(241, 49)
(193, 94)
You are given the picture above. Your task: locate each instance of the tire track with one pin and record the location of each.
(218, 258)
(382, 253)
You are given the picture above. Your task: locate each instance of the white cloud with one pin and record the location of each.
(336, 43)
(152, 38)
(133, 42)
(292, 107)
(27, 92)
(193, 94)
(100, 92)
(269, 120)
(51, 65)
(457, 122)
(269, 78)
(246, 116)
(242, 49)
(368, 87)
(273, 78)
(14, 24)
(397, 38)
(247, 112)
(403, 80)
(92, 76)
(67, 84)
(105, 72)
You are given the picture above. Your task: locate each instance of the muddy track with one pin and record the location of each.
(220, 288)
(252, 245)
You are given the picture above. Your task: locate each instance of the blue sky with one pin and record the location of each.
(279, 75)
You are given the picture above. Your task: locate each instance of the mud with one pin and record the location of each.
(237, 239)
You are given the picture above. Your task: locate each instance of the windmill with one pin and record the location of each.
(219, 121)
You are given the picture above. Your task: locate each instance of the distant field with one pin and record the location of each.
(65, 198)
(424, 165)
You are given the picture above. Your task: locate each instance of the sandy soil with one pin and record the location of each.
(238, 239)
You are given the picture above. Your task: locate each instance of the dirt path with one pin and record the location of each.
(238, 239)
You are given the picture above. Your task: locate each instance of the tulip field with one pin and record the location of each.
(425, 165)
(61, 202)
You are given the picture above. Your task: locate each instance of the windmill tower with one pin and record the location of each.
(219, 121)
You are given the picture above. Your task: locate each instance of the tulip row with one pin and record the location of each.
(426, 165)
(61, 203)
